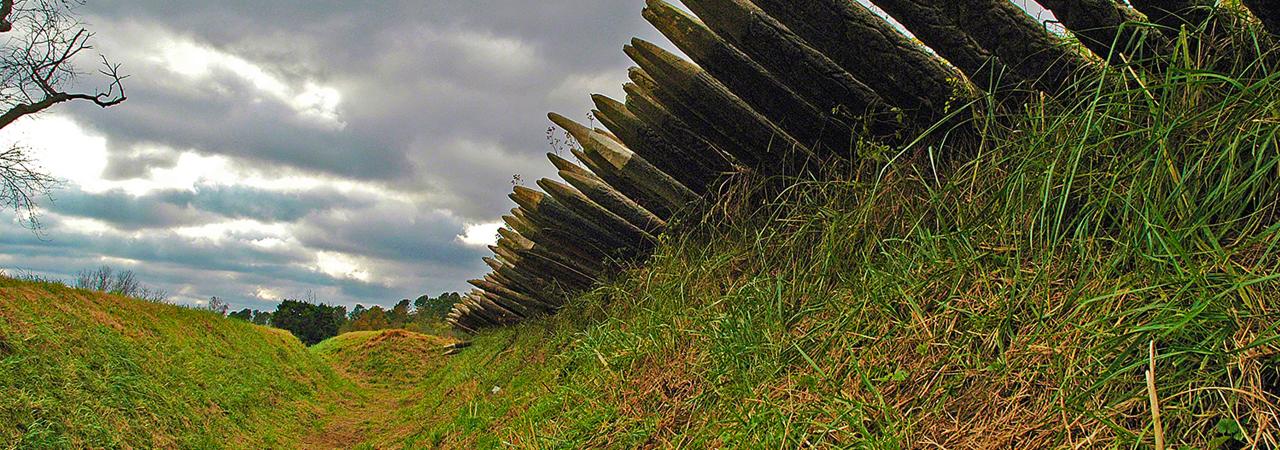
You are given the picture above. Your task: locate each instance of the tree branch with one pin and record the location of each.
(21, 182)
(114, 96)
(36, 66)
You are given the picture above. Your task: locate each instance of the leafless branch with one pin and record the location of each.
(42, 40)
(114, 95)
(21, 183)
(43, 57)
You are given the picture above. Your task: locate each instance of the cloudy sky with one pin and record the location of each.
(358, 150)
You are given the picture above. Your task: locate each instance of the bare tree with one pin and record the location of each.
(124, 282)
(153, 294)
(37, 62)
(42, 38)
(96, 279)
(217, 305)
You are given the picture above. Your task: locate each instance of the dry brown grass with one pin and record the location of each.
(664, 388)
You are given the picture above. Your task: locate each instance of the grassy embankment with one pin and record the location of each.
(82, 369)
(1014, 295)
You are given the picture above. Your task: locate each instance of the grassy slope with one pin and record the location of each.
(1013, 297)
(383, 357)
(384, 364)
(942, 340)
(82, 369)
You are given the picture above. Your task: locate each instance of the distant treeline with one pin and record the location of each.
(312, 321)
(309, 319)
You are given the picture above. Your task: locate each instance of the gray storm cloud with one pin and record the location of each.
(428, 107)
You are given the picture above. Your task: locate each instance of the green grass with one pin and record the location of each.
(386, 357)
(82, 369)
(1003, 290)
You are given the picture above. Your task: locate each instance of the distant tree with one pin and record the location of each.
(429, 313)
(152, 294)
(337, 313)
(261, 317)
(106, 279)
(428, 308)
(399, 314)
(447, 301)
(244, 314)
(353, 317)
(374, 318)
(217, 305)
(310, 322)
(356, 312)
(95, 280)
(125, 282)
(42, 38)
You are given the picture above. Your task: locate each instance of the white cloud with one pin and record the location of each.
(67, 151)
(269, 243)
(492, 52)
(78, 156)
(86, 225)
(224, 230)
(482, 58)
(338, 265)
(267, 294)
(480, 234)
(197, 62)
(62, 148)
